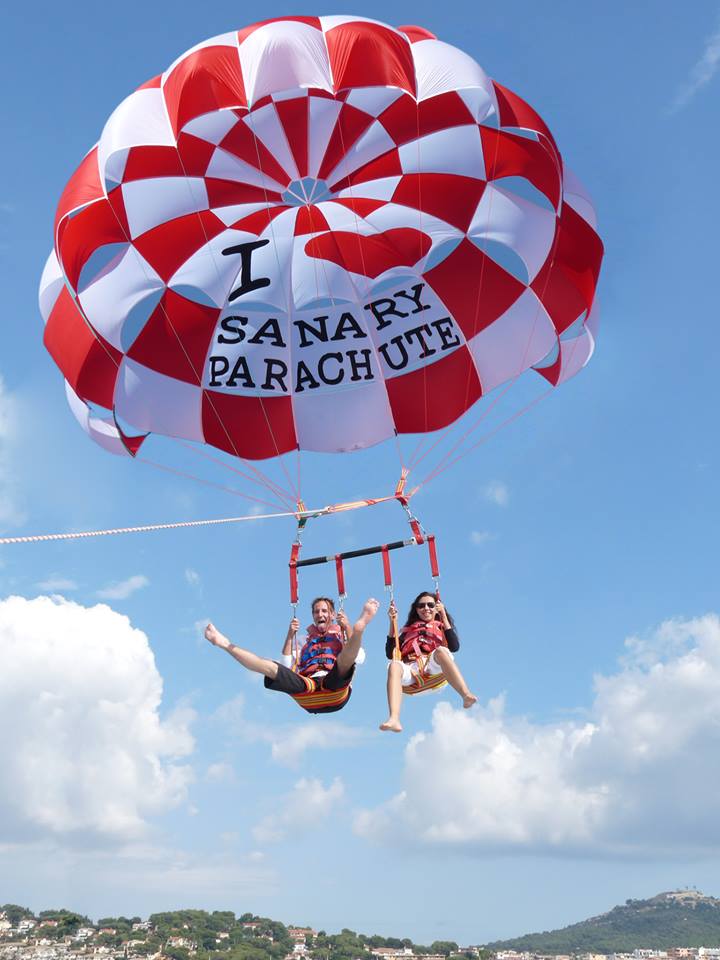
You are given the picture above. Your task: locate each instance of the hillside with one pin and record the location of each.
(681, 918)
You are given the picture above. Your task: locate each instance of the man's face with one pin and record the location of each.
(322, 615)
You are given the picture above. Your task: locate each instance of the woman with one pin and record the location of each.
(421, 658)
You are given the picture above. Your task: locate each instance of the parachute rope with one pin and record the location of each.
(447, 460)
(166, 468)
(445, 463)
(295, 495)
(298, 493)
(283, 496)
(326, 511)
(373, 346)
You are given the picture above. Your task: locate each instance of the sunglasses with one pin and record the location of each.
(431, 605)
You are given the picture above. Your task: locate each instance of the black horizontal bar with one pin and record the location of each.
(350, 554)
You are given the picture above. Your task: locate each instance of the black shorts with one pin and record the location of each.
(287, 681)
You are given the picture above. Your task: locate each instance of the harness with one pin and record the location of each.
(320, 651)
(316, 699)
(417, 642)
(419, 639)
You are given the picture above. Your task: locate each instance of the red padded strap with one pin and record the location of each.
(417, 532)
(340, 575)
(294, 553)
(434, 569)
(386, 566)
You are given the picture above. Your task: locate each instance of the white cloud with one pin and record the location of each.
(308, 799)
(86, 756)
(231, 714)
(496, 492)
(192, 577)
(638, 777)
(56, 584)
(701, 74)
(219, 773)
(11, 514)
(288, 742)
(478, 537)
(146, 878)
(122, 589)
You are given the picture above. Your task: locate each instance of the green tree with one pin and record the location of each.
(177, 953)
(444, 946)
(15, 913)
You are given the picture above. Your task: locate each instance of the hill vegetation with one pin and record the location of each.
(684, 918)
(220, 935)
(678, 919)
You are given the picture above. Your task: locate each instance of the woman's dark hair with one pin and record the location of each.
(412, 615)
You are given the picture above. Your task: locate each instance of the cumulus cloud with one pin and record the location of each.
(308, 796)
(86, 756)
(288, 742)
(701, 74)
(638, 777)
(122, 589)
(496, 492)
(11, 514)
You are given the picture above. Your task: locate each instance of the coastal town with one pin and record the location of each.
(66, 936)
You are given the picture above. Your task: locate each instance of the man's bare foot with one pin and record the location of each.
(216, 638)
(369, 610)
(394, 726)
(469, 700)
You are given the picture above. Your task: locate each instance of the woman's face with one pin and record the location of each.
(425, 607)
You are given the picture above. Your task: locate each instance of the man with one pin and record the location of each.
(319, 681)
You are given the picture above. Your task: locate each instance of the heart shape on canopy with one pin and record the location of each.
(373, 254)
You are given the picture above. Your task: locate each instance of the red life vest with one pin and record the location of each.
(320, 650)
(419, 639)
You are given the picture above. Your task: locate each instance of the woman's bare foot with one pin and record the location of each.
(392, 725)
(469, 700)
(216, 638)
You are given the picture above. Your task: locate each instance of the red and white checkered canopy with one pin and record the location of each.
(314, 233)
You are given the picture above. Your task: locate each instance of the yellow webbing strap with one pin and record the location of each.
(424, 683)
(396, 635)
(317, 698)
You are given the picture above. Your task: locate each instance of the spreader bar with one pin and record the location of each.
(350, 554)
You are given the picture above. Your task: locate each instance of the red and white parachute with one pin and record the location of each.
(314, 233)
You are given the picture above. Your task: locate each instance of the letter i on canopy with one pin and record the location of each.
(247, 284)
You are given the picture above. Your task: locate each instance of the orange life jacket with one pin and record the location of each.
(419, 639)
(320, 650)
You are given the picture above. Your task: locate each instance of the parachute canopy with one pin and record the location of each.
(313, 233)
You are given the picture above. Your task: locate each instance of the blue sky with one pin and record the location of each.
(578, 550)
